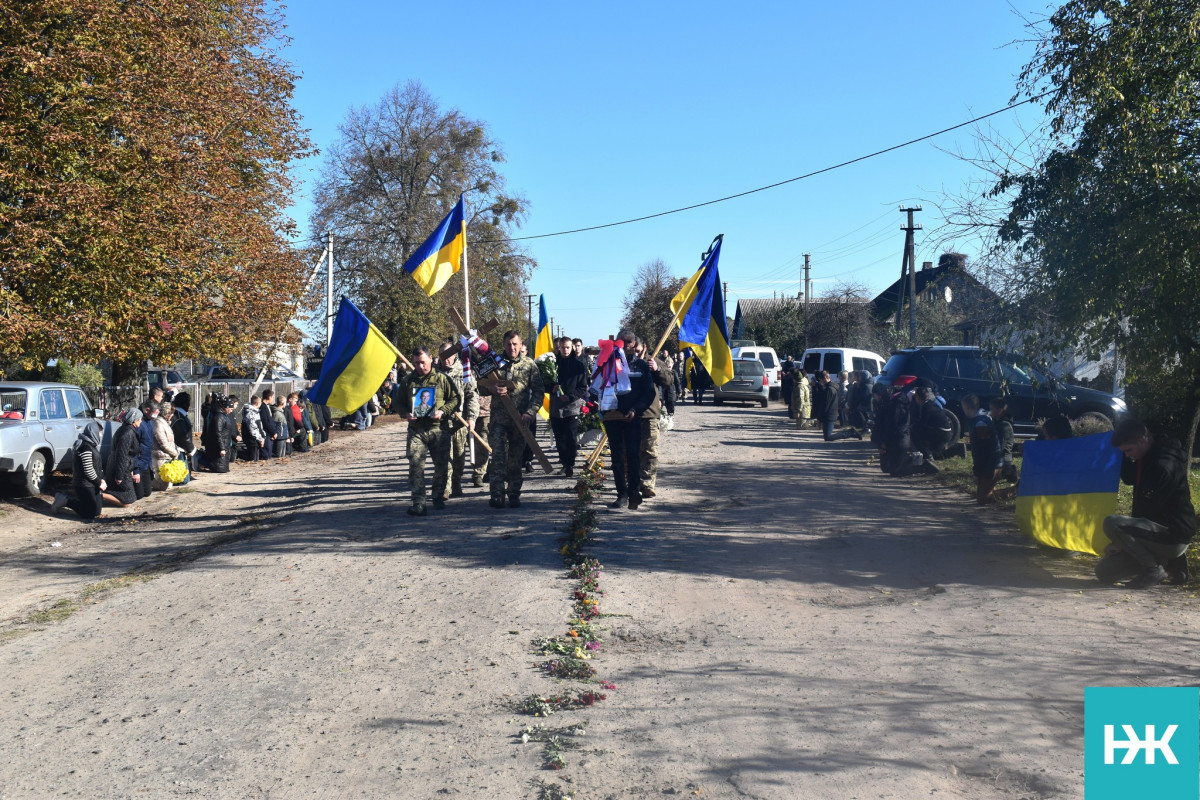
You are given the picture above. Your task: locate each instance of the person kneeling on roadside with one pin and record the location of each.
(1163, 520)
(985, 450)
(931, 431)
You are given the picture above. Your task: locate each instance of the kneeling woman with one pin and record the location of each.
(87, 482)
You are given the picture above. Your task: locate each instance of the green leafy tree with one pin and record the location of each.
(1108, 222)
(143, 181)
(648, 303)
(396, 171)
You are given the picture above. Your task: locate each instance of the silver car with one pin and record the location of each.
(39, 423)
(750, 382)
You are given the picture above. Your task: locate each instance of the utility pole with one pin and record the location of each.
(806, 289)
(725, 294)
(532, 332)
(328, 288)
(908, 268)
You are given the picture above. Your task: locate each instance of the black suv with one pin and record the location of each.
(1031, 394)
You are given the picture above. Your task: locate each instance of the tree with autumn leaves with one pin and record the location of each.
(143, 181)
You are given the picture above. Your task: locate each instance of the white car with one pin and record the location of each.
(835, 359)
(770, 362)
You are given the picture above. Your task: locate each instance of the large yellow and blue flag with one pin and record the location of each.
(700, 309)
(357, 361)
(441, 255)
(544, 343)
(1067, 488)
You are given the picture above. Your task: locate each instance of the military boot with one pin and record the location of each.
(514, 500)
(497, 498)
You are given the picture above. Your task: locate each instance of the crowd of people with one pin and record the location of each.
(446, 406)
(161, 430)
(912, 429)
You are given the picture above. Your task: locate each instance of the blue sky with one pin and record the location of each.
(619, 110)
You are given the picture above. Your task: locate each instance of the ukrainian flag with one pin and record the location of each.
(700, 310)
(357, 361)
(1068, 487)
(543, 344)
(441, 256)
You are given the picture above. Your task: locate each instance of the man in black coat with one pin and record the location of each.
(270, 429)
(825, 409)
(1163, 520)
(931, 428)
(566, 400)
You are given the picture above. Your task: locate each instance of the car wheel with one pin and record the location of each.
(762, 403)
(1094, 422)
(717, 401)
(35, 476)
(956, 428)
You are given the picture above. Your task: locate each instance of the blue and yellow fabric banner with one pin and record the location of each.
(357, 361)
(1067, 488)
(702, 325)
(441, 255)
(542, 345)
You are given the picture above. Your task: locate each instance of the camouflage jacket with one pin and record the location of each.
(529, 389)
(469, 407)
(447, 395)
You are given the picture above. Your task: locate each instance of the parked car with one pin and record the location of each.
(770, 362)
(835, 359)
(39, 423)
(1032, 395)
(749, 383)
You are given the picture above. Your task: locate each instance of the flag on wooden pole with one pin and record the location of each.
(441, 255)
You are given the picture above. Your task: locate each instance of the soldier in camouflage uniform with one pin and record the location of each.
(505, 438)
(428, 436)
(662, 377)
(482, 458)
(469, 410)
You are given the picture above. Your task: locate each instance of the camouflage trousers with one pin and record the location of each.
(458, 457)
(481, 455)
(508, 448)
(425, 442)
(650, 434)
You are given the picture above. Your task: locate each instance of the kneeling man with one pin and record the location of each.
(1163, 520)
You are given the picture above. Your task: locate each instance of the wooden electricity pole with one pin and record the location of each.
(908, 268)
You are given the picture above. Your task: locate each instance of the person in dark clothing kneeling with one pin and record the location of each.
(1163, 520)
(931, 429)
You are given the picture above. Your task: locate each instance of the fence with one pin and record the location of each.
(115, 399)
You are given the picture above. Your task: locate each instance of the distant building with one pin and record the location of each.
(950, 283)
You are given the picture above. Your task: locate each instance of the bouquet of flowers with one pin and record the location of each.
(548, 365)
(590, 417)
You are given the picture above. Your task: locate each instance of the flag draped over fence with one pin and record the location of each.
(441, 255)
(1067, 488)
(702, 323)
(357, 361)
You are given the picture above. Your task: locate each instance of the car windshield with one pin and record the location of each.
(1017, 370)
(12, 403)
(747, 369)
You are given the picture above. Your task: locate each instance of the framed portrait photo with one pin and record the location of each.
(423, 402)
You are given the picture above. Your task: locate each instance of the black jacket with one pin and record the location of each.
(825, 402)
(219, 434)
(122, 457)
(931, 425)
(572, 387)
(181, 427)
(642, 393)
(1160, 489)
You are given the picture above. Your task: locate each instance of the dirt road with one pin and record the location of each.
(785, 623)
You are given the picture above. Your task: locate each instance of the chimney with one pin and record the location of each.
(926, 265)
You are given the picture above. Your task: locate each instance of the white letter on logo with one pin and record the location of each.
(1133, 744)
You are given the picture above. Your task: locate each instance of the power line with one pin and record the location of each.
(777, 184)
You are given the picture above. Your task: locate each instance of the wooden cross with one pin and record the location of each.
(491, 384)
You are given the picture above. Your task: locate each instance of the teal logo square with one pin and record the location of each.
(1141, 742)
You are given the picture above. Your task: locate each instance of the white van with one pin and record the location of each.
(835, 359)
(770, 362)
